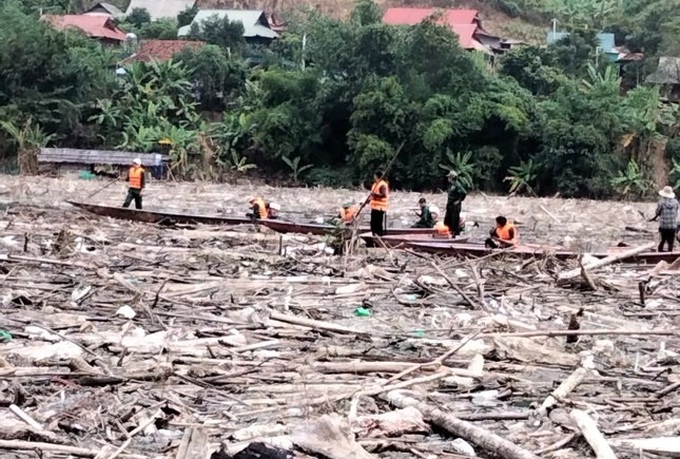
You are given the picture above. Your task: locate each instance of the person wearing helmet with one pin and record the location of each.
(454, 203)
(273, 210)
(425, 214)
(258, 209)
(136, 181)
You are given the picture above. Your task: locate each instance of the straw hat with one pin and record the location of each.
(453, 174)
(137, 161)
(667, 192)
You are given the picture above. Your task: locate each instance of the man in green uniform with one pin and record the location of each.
(454, 203)
(426, 220)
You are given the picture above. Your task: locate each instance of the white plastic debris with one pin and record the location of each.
(348, 289)
(463, 447)
(80, 292)
(38, 333)
(126, 311)
(486, 398)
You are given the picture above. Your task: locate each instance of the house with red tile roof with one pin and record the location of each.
(465, 23)
(98, 26)
(161, 50)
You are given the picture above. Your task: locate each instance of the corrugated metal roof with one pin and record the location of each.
(161, 50)
(161, 9)
(463, 22)
(255, 23)
(668, 71)
(96, 25)
(105, 8)
(68, 155)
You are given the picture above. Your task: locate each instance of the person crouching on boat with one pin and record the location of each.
(425, 214)
(504, 235)
(273, 210)
(667, 214)
(258, 209)
(136, 180)
(346, 216)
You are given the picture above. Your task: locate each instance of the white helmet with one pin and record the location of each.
(275, 206)
(137, 161)
(434, 210)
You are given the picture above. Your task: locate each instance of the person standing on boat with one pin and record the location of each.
(425, 214)
(454, 203)
(136, 182)
(380, 192)
(667, 214)
(504, 235)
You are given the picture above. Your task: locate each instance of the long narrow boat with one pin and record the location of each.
(529, 251)
(402, 240)
(281, 226)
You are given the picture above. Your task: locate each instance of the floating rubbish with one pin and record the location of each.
(362, 312)
(5, 336)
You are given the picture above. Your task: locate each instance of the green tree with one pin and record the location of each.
(219, 31)
(185, 17)
(138, 17)
(217, 79)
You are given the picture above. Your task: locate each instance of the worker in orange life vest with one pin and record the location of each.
(379, 198)
(441, 230)
(136, 182)
(504, 235)
(347, 213)
(259, 209)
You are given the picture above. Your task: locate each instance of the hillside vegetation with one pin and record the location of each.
(539, 121)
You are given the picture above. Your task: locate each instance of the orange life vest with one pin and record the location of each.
(504, 234)
(262, 208)
(135, 177)
(347, 215)
(379, 203)
(441, 230)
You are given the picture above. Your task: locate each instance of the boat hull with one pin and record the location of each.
(404, 239)
(281, 226)
(528, 251)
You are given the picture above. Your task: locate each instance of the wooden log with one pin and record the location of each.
(591, 433)
(330, 436)
(194, 444)
(606, 261)
(666, 446)
(563, 390)
(20, 445)
(486, 440)
(315, 324)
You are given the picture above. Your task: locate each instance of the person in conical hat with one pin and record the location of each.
(667, 215)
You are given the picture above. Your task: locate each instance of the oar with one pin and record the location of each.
(101, 189)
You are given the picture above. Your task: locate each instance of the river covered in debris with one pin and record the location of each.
(121, 339)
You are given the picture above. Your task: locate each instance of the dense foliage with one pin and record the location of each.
(332, 100)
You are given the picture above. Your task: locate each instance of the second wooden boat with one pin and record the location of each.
(402, 240)
(536, 250)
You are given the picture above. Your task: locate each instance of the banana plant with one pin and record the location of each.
(295, 168)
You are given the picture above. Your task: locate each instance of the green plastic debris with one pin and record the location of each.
(418, 333)
(86, 175)
(5, 336)
(362, 312)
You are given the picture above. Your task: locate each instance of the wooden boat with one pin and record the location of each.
(168, 218)
(536, 250)
(402, 240)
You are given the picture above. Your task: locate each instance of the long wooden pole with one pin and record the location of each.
(387, 169)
